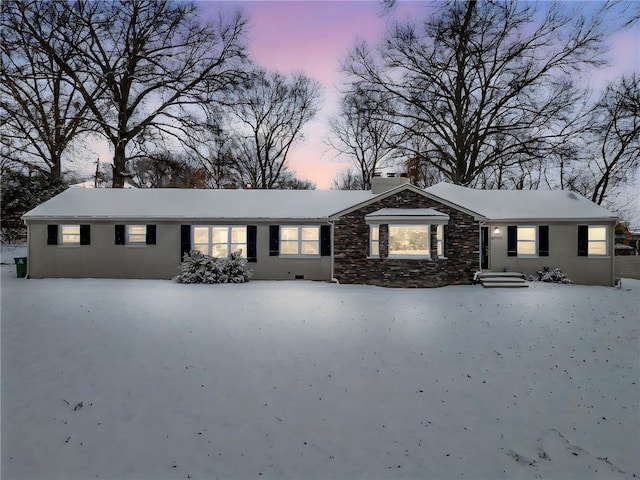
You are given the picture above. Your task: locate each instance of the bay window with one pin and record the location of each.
(409, 240)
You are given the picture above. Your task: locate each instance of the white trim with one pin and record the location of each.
(299, 241)
(61, 235)
(410, 255)
(535, 241)
(127, 235)
(400, 188)
(606, 242)
(210, 242)
(372, 241)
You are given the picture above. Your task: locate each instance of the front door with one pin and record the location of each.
(484, 248)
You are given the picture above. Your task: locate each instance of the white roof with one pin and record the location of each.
(522, 204)
(170, 203)
(407, 214)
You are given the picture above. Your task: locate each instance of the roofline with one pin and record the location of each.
(67, 218)
(399, 188)
(551, 220)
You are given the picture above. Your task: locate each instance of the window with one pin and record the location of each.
(597, 241)
(220, 241)
(374, 240)
(136, 234)
(527, 245)
(70, 234)
(440, 240)
(409, 240)
(299, 240)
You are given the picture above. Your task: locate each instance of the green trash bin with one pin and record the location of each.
(21, 266)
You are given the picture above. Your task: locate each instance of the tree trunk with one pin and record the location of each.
(119, 165)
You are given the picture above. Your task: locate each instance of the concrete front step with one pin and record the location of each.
(505, 285)
(502, 279)
(483, 275)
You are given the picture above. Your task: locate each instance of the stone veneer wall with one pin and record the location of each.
(351, 248)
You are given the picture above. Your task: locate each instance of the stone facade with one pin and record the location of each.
(351, 248)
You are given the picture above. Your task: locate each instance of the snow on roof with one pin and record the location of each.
(171, 203)
(407, 214)
(522, 204)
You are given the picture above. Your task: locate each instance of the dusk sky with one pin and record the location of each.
(314, 36)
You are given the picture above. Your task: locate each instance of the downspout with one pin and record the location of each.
(333, 279)
(28, 248)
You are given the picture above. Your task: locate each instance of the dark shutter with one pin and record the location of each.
(543, 248)
(151, 234)
(512, 241)
(185, 240)
(583, 240)
(274, 240)
(85, 234)
(325, 240)
(119, 234)
(252, 243)
(52, 234)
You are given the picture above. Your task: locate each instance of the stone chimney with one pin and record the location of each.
(381, 183)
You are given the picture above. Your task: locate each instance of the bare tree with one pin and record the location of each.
(289, 181)
(41, 110)
(153, 57)
(212, 144)
(168, 170)
(481, 82)
(270, 111)
(362, 131)
(347, 179)
(616, 129)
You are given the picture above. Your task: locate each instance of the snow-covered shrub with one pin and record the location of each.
(196, 267)
(546, 275)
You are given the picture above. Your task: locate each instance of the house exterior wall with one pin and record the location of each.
(563, 254)
(104, 259)
(351, 248)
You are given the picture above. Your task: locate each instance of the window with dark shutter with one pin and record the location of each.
(119, 230)
(583, 240)
(252, 243)
(325, 240)
(52, 234)
(151, 234)
(274, 240)
(185, 240)
(543, 233)
(85, 234)
(512, 241)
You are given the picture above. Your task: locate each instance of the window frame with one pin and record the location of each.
(535, 241)
(299, 241)
(230, 244)
(604, 241)
(62, 234)
(440, 240)
(374, 227)
(128, 234)
(391, 226)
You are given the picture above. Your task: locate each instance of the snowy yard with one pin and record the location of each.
(124, 379)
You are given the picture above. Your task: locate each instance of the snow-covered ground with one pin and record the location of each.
(128, 379)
